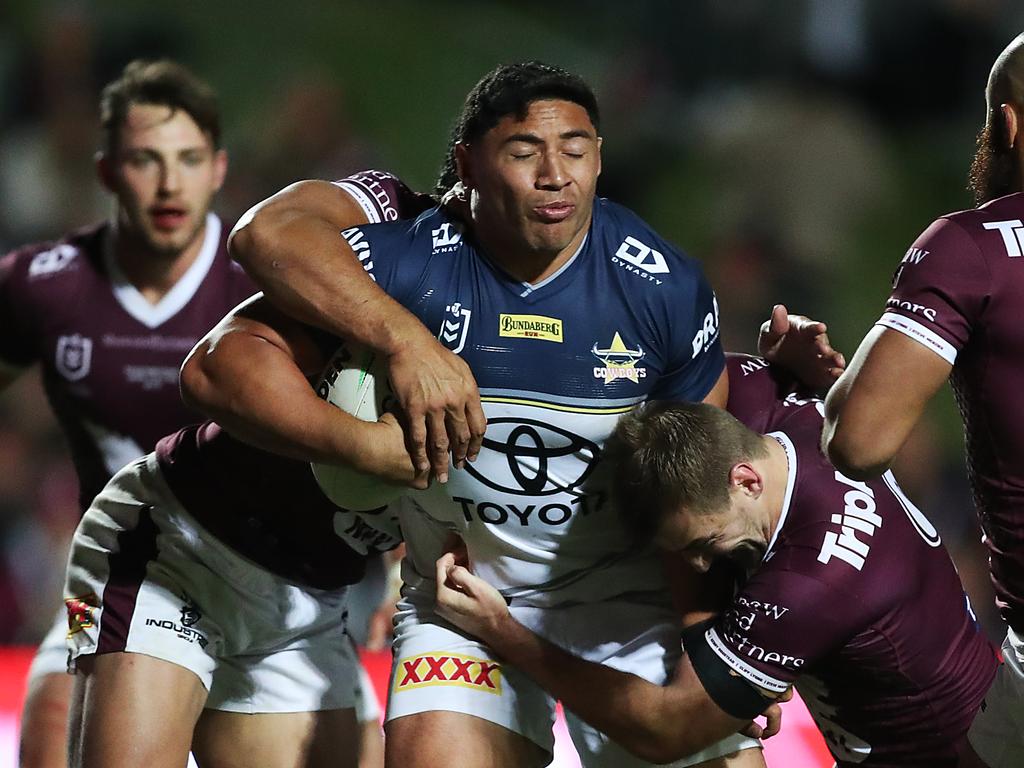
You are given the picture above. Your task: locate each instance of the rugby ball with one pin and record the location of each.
(355, 380)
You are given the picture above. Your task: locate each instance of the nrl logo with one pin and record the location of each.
(74, 356)
(619, 362)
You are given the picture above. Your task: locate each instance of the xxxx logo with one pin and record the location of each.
(448, 669)
(80, 612)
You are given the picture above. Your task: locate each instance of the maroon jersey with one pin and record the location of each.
(959, 292)
(856, 602)
(109, 358)
(266, 507)
(269, 508)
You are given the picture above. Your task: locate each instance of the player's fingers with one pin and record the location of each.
(416, 441)
(752, 729)
(773, 721)
(477, 422)
(787, 695)
(437, 446)
(780, 320)
(458, 437)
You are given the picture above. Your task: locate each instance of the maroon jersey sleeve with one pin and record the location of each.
(384, 197)
(940, 289)
(16, 347)
(780, 623)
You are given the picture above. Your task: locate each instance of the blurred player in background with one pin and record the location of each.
(837, 582)
(954, 313)
(569, 311)
(208, 583)
(110, 311)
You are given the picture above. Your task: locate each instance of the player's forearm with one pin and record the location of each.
(873, 408)
(655, 723)
(291, 245)
(855, 447)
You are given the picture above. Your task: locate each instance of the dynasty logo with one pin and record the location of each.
(619, 362)
(448, 669)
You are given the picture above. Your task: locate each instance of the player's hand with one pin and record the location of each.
(467, 601)
(801, 346)
(384, 454)
(440, 405)
(772, 723)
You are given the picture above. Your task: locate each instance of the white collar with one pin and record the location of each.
(153, 315)
(790, 450)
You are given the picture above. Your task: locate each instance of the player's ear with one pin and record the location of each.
(464, 165)
(745, 478)
(600, 141)
(105, 171)
(1010, 119)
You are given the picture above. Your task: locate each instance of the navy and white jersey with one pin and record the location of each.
(627, 318)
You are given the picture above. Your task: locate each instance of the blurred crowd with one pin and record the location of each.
(796, 148)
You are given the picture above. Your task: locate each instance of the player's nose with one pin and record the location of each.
(551, 174)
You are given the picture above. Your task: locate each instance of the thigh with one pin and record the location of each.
(44, 721)
(438, 672)
(133, 711)
(431, 740)
(325, 739)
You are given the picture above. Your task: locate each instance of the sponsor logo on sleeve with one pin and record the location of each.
(530, 327)
(53, 260)
(707, 333)
(455, 326)
(73, 358)
(361, 248)
(366, 187)
(447, 669)
(856, 525)
(641, 260)
(80, 612)
(446, 238)
(912, 256)
(618, 361)
(918, 309)
(1012, 232)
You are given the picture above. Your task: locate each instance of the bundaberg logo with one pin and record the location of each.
(530, 327)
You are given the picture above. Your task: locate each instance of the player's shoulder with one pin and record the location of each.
(62, 260)
(995, 229)
(645, 264)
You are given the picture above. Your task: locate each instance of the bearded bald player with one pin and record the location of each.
(954, 313)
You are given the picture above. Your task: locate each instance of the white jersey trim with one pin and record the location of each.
(153, 315)
(921, 334)
(365, 201)
(754, 675)
(790, 449)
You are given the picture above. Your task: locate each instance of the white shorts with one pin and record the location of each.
(997, 733)
(52, 654)
(52, 659)
(145, 577)
(436, 667)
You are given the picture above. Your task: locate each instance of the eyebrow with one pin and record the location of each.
(703, 541)
(530, 138)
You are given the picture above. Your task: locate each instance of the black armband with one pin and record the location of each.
(734, 695)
